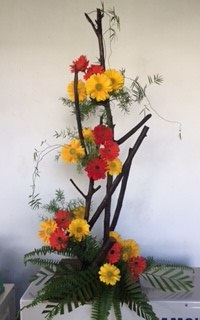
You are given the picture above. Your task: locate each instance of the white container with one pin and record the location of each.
(167, 306)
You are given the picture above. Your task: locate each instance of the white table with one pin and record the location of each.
(7, 302)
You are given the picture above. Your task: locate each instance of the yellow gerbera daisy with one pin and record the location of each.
(47, 227)
(79, 212)
(115, 236)
(88, 134)
(109, 274)
(98, 87)
(71, 153)
(116, 78)
(114, 167)
(78, 228)
(81, 91)
(130, 249)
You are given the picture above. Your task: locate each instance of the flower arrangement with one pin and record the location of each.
(105, 272)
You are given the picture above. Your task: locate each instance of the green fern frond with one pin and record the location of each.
(70, 290)
(131, 293)
(102, 304)
(169, 277)
(40, 251)
(50, 263)
(117, 308)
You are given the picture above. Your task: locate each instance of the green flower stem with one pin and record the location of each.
(118, 179)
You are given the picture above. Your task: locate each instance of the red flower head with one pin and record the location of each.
(58, 240)
(63, 219)
(102, 134)
(80, 64)
(93, 69)
(136, 266)
(114, 253)
(96, 169)
(110, 151)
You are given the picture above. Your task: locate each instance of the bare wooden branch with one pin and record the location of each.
(118, 179)
(133, 130)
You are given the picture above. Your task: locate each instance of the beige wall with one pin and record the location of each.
(38, 40)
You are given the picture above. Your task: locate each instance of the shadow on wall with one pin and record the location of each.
(13, 271)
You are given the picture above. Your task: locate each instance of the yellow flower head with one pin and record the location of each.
(130, 249)
(47, 228)
(114, 167)
(116, 78)
(81, 91)
(71, 153)
(79, 212)
(78, 228)
(88, 134)
(98, 87)
(109, 274)
(115, 236)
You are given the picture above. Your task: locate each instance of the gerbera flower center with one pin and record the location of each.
(110, 274)
(49, 231)
(98, 87)
(72, 151)
(79, 229)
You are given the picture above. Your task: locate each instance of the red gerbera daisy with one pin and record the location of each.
(58, 240)
(110, 151)
(93, 69)
(136, 266)
(102, 134)
(80, 64)
(96, 169)
(63, 218)
(114, 253)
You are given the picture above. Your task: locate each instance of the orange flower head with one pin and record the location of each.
(102, 134)
(80, 64)
(93, 69)
(58, 240)
(96, 169)
(63, 218)
(110, 150)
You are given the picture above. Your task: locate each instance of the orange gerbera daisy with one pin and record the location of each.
(80, 64)
(58, 240)
(109, 151)
(96, 169)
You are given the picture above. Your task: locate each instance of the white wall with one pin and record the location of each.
(38, 40)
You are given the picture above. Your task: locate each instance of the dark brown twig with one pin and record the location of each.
(133, 130)
(77, 111)
(118, 179)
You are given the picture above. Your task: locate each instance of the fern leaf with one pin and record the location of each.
(168, 278)
(102, 304)
(131, 293)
